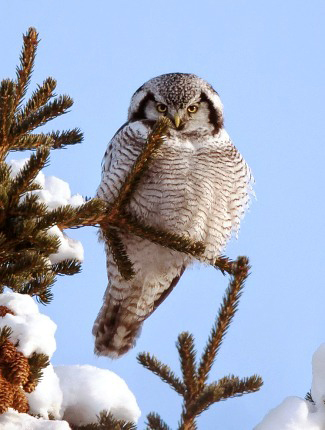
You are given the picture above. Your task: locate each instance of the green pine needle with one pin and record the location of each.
(39, 98)
(67, 267)
(37, 362)
(27, 174)
(187, 354)
(163, 371)
(154, 422)
(25, 69)
(7, 109)
(106, 421)
(120, 256)
(5, 333)
(51, 110)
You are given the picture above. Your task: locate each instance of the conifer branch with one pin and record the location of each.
(154, 422)
(37, 362)
(232, 386)
(87, 214)
(309, 398)
(26, 239)
(4, 175)
(51, 110)
(3, 240)
(187, 354)
(23, 237)
(173, 241)
(63, 138)
(197, 394)
(225, 315)
(40, 287)
(30, 207)
(209, 395)
(5, 333)
(67, 267)
(187, 421)
(163, 371)
(27, 174)
(106, 421)
(224, 264)
(32, 141)
(22, 265)
(11, 281)
(54, 140)
(24, 221)
(119, 253)
(27, 59)
(39, 98)
(154, 141)
(7, 109)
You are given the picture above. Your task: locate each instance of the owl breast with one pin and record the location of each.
(197, 185)
(191, 188)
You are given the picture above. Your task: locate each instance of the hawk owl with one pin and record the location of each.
(198, 185)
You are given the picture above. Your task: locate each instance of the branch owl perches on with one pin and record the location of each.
(197, 185)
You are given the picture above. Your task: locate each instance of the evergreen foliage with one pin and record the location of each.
(106, 422)
(24, 221)
(198, 395)
(18, 374)
(26, 245)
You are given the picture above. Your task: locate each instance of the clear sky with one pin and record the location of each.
(266, 60)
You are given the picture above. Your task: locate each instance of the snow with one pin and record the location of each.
(74, 393)
(55, 193)
(295, 413)
(47, 397)
(17, 165)
(77, 393)
(318, 384)
(69, 248)
(13, 420)
(33, 331)
(101, 390)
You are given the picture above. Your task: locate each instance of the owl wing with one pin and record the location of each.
(127, 303)
(224, 192)
(120, 155)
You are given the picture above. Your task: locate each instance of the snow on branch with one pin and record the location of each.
(76, 394)
(295, 413)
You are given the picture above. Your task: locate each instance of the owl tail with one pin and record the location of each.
(115, 329)
(118, 324)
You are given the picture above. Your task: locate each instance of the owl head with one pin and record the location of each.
(187, 100)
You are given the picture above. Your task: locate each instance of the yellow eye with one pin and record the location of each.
(161, 108)
(192, 109)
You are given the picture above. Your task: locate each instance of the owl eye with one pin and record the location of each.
(192, 109)
(161, 108)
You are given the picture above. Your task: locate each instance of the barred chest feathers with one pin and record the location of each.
(192, 187)
(198, 184)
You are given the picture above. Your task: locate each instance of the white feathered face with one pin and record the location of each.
(191, 103)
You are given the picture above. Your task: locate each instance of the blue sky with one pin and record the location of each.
(266, 60)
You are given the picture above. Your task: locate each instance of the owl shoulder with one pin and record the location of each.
(129, 135)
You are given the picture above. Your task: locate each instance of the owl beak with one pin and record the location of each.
(177, 120)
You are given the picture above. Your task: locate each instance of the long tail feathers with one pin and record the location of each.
(115, 330)
(118, 326)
